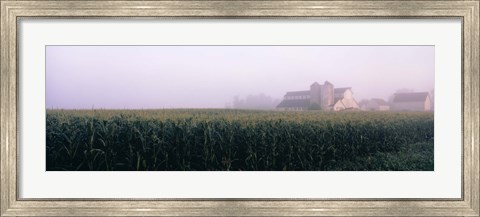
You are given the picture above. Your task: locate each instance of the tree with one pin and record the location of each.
(314, 106)
(257, 102)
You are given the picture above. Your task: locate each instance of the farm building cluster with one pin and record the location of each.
(328, 98)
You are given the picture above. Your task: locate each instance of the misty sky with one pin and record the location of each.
(210, 76)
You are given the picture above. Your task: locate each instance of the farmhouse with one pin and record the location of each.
(417, 101)
(322, 97)
(375, 105)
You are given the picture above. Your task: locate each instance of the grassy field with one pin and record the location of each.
(238, 140)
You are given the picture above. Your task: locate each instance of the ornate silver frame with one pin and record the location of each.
(11, 11)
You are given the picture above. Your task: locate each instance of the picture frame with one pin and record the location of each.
(12, 11)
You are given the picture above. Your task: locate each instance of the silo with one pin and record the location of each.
(327, 95)
(315, 91)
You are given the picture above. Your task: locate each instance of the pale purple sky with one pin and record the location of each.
(79, 77)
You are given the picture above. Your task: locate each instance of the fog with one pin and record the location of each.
(136, 77)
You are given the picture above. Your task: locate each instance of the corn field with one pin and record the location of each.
(238, 140)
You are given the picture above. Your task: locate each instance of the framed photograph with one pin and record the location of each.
(239, 108)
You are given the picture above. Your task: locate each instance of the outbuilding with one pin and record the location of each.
(415, 101)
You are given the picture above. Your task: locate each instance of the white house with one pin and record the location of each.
(417, 101)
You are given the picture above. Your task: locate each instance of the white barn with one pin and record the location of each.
(417, 101)
(344, 99)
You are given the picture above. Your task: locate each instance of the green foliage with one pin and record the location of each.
(220, 140)
(314, 106)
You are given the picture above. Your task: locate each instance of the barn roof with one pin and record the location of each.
(294, 103)
(298, 93)
(410, 97)
(340, 90)
(336, 99)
